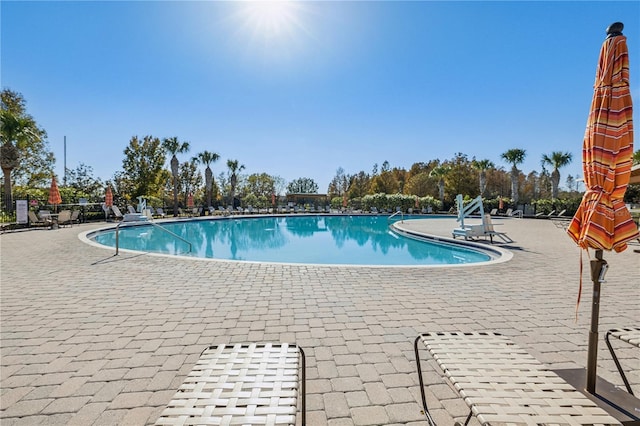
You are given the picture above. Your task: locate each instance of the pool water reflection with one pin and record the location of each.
(322, 239)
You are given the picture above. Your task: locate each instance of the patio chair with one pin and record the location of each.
(160, 212)
(131, 209)
(490, 232)
(116, 212)
(34, 220)
(64, 218)
(493, 212)
(503, 384)
(75, 216)
(241, 384)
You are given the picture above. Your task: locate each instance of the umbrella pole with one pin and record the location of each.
(598, 269)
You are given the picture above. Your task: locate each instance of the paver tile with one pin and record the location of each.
(81, 349)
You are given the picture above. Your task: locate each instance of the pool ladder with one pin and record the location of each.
(157, 226)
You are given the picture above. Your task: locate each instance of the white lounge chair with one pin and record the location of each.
(490, 232)
(116, 212)
(75, 216)
(503, 384)
(242, 384)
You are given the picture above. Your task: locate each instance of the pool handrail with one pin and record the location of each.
(157, 226)
(399, 212)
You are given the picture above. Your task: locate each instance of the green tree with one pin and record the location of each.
(514, 157)
(419, 184)
(24, 155)
(482, 166)
(81, 179)
(143, 168)
(385, 182)
(571, 183)
(206, 158)
(302, 186)
(260, 185)
(460, 178)
(173, 147)
(279, 184)
(557, 159)
(339, 185)
(440, 173)
(189, 177)
(234, 169)
(359, 185)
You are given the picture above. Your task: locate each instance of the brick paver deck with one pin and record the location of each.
(92, 339)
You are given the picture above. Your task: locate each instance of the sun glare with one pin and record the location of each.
(268, 19)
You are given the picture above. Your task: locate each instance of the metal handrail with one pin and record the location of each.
(395, 214)
(157, 226)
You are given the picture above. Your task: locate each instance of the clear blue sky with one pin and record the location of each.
(300, 89)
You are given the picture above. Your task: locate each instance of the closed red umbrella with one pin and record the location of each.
(54, 194)
(190, 201)
(108, 197)
(602, 221)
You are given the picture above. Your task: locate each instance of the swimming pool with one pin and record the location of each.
(310, 239)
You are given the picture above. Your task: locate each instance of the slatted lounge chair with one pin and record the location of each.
(241, 384)
(502, 384)
(116, 212)
(493, 212)
(36, 221)
(75, 216)
(131, 209)
(630, 335)
(64, 218)
(490, 232)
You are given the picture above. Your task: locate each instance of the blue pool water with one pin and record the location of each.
(322, 239)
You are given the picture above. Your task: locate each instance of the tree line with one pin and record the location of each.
(152, 168)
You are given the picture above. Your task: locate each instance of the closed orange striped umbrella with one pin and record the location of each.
(108, 197)
(54, 193)
(602, 221)
(190, 203)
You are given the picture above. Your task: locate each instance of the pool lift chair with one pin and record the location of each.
(468, 231)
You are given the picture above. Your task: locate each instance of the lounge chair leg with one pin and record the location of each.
(466, 422)
(615, 359)
(424, 399)
(304, 387)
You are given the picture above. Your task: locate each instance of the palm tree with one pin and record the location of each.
(14, 131)
(482, 166)
(234, 168)
(440, 172)
(557, 159)
(206, 158)
(173, 147)
(514, 157)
